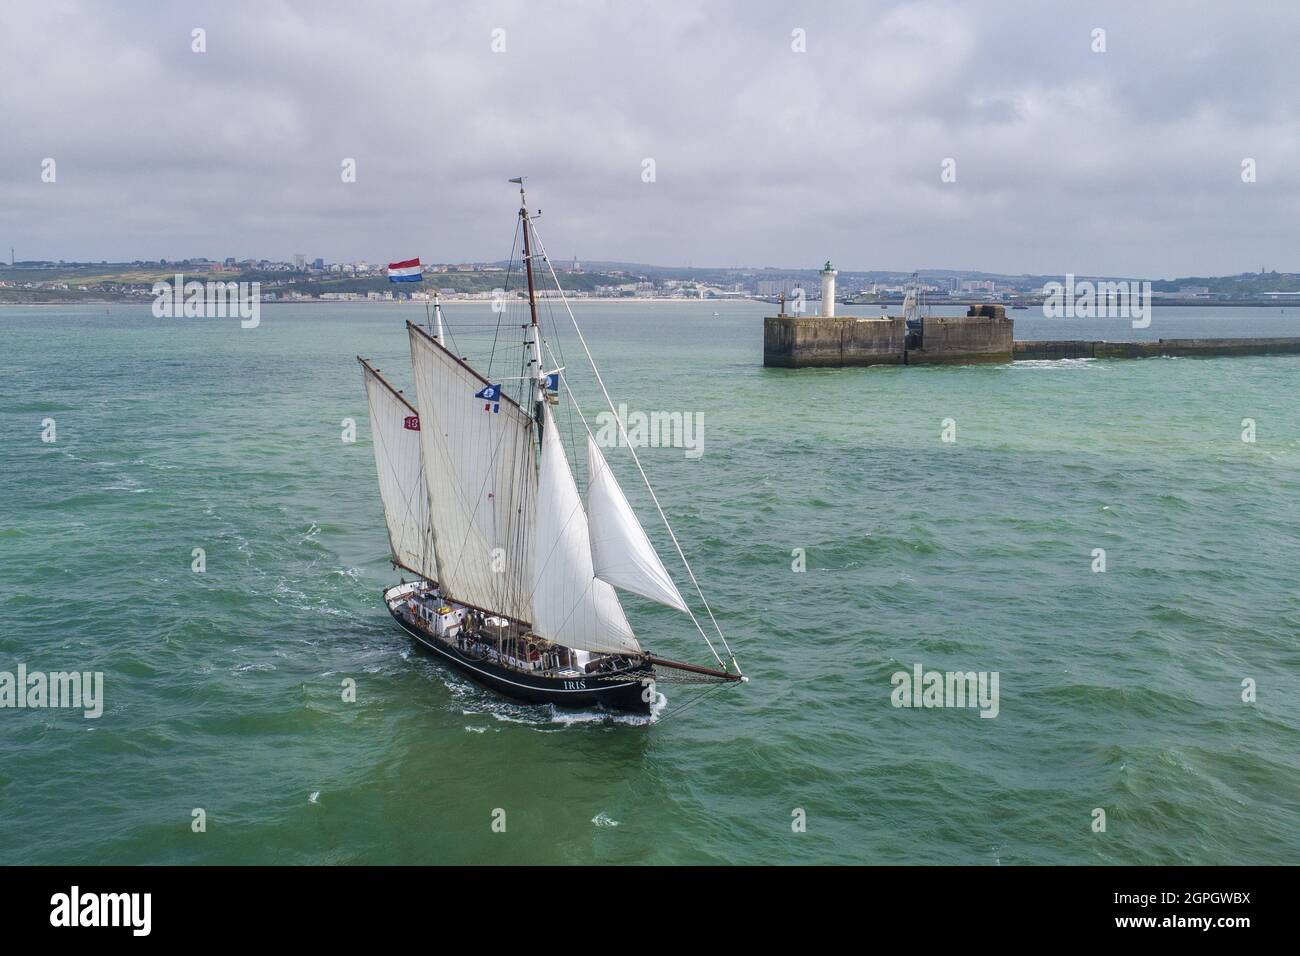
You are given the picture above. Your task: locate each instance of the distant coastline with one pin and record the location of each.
(408, 303)
(36, 282)
(862, 309)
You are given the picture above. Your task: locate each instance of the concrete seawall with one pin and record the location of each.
(962, 340)
(1185, 348)
(815, 341)
(985, 334)
(818, 341)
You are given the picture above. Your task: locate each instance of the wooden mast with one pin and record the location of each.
(539, 395)
(528, 254)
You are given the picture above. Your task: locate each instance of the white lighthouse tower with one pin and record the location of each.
(828, 289)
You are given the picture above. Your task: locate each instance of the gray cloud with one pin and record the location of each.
(1125, 162)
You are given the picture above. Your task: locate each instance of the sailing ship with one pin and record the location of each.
(517, 574)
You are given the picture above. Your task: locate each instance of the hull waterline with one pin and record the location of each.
(628, 691)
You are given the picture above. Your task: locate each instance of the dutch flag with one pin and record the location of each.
(406, 271)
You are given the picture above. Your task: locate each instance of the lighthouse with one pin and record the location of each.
(828, 289)
(828, 340)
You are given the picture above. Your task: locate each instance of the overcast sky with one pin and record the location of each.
(1127, 162)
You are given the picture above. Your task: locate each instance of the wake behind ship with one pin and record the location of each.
(516, 573)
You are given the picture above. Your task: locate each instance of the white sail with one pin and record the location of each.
(571, 606)
(481, 473)
(394, 428)
(620, 551)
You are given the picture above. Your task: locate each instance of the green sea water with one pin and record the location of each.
(1119, 690)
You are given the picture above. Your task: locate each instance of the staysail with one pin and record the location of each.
(395, 430)
(620, 551)
(571, 606)
(481, 474)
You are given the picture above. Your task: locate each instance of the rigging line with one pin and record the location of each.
(446, 327)
(623, 431)
(559, 362)
(690, 704)
(689, 613)
(517, 523)
(492, 355)
(573, 401)
(451, 335)
(466, 324)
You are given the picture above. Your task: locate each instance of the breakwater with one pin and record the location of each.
(1184, 348)
(819, 341)
(984, 334)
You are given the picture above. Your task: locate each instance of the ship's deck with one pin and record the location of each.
(493, 638)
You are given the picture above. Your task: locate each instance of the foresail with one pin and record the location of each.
(621, 553)
(571, 606)
(394, 428)
(481, 473)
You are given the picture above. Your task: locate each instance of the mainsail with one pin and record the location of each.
(482, 479)
(621, 553)
(395, 430)
(571, 606)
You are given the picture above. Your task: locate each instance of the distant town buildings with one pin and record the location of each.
(304, 279)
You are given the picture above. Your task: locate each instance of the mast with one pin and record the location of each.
(637, 461)
(535, 342)
(437, 323)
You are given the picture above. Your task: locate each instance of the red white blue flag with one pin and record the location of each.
(408, 270)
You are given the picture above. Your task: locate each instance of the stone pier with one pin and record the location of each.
(819, 341)
(1182, 348)
(984, 334)
(815, 341)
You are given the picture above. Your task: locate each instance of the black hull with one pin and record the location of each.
(624, 692)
